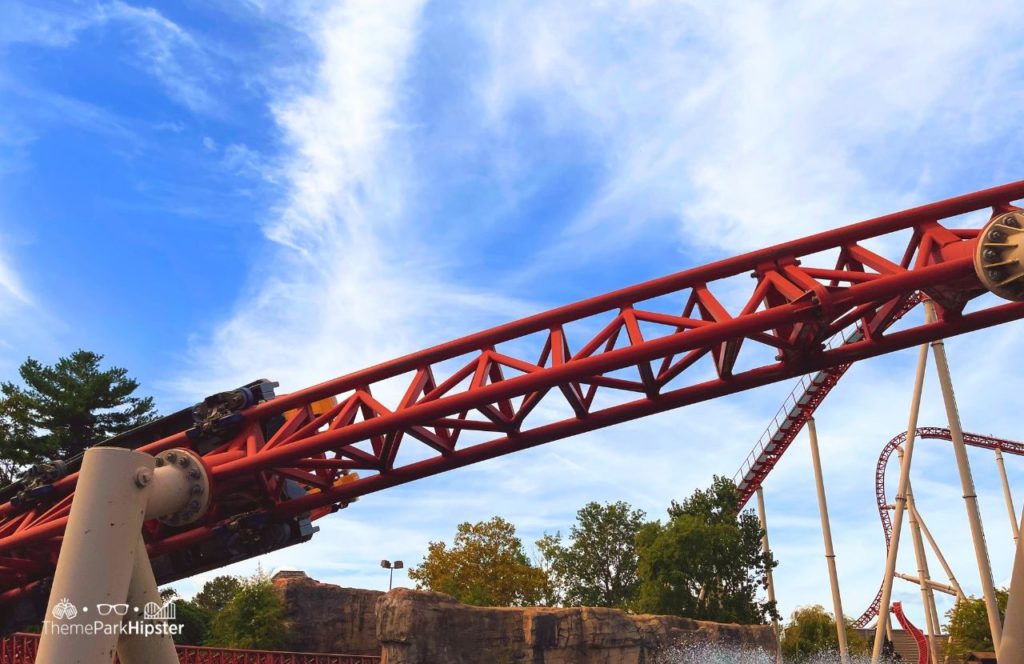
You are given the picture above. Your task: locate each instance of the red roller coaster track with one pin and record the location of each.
(922, 433)
(919, 637)
(797, 408)
(659, 345)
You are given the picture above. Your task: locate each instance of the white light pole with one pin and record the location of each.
(388, 565)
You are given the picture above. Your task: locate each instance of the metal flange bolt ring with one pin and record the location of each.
(198, 482)
(999, 256)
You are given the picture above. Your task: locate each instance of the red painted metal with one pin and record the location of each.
(634, 352)
(21, 648)
(204, 655)
(923, 653)
(797, 408)
(922, 433)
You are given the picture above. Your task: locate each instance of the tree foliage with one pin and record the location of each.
(195, 623)
(811, 631)
(63, 408)
(485, 566)
(968, 626)
(705, 546)
(217, 592)
(19, 444)
(598, 566)
(254, 618)
(196, 615)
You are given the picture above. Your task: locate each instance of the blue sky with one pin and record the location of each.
(208, 192)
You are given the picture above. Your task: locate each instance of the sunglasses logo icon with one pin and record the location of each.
(117, 609)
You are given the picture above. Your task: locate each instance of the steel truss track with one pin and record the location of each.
(645, 349)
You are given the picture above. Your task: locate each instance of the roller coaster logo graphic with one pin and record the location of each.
(154, 611)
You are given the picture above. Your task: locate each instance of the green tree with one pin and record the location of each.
(64, 408)
(217, 592)
(485, 566)
(811, 631)
(20, 446)
(598, 566)
(254, 618)
(706, 561)
(195, 623)
(968, 626)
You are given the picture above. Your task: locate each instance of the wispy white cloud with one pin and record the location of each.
(11, 288)
(350, 285)
(35, 23)
(164, 49)
(745, 124)
(25, 318)
(170, 53)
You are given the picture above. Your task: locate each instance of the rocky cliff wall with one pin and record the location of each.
(415, 627)
(329, 618)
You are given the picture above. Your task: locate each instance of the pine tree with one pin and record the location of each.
(62, 409)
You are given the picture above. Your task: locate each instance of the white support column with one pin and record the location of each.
(938, 552)
(927, 593)
(932, 583)
(901, 504)
(103, 572)
(826, 534)
(762, 516)
(967, 484)
(1007, 496)
(143, 647)
(94, 567)
(1011, 649)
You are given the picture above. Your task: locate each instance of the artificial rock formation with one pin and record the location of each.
(329, 618)
(429, 628)
(415, 627)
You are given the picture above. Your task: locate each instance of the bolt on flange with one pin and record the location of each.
(192, 469)
(999, 256)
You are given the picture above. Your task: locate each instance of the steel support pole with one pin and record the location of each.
(927, 594)
(826, 535)
(143, 647)
(104, 581)
(938, 552)
(1011, 648)
(1007, 496)
(762, 516)
(94, 568)
(967, 483)
(900, 506)
(932, 583)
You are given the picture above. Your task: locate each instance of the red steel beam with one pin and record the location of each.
(659, 345)
(21, 648)
(797, 410)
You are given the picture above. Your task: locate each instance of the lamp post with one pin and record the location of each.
(389, 565)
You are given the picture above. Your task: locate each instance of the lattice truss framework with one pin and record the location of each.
(662, 344)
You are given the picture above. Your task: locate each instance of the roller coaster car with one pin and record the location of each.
(241, 526)
(252, 531)
(319, 408)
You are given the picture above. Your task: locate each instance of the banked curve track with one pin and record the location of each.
(929, 433)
